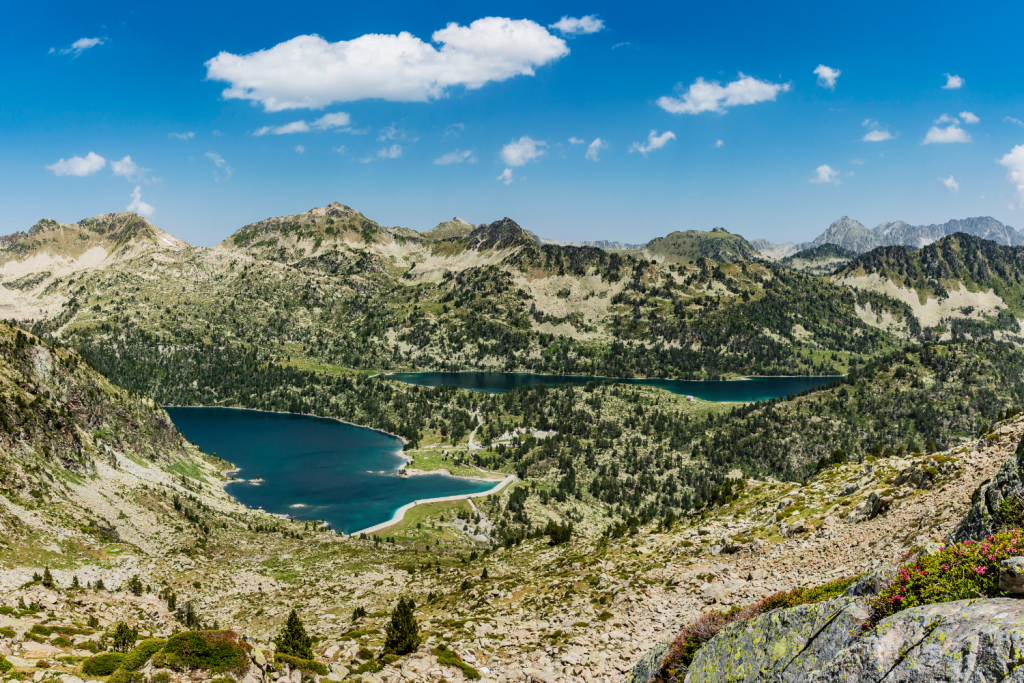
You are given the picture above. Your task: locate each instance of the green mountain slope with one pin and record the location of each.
(688, 247)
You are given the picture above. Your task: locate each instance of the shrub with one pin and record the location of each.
(122, 676)
(142, 653)
(61, 641)
(7, 609)
(89, 646)
(402, 633)
(358, 613)
(47, 579)
(102, 665)
(217, 651)
(804, 596)
(957, 572)
(7, 632)
(446, 657)
(160, 677)
(302, 664)
(293, 640)
(5, 665)
(124, 637)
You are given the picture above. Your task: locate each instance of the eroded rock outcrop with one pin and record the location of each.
(988, 503)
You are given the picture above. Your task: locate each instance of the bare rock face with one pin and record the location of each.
(983, 517)
(963, 641)
(1011, 575)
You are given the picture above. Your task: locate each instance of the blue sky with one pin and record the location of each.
(775, 150)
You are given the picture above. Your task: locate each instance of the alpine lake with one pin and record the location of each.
(312, 468)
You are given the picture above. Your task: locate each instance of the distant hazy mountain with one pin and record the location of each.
(851, 235)
(607, 245)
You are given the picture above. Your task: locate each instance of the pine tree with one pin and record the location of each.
(293, 640)
(124, 637)
(74, 582)
(47, 578)
(403, 634)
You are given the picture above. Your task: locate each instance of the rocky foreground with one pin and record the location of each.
(584, 611)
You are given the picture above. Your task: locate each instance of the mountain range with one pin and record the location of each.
(852, 235)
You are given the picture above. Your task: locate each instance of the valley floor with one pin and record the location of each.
(583, 611)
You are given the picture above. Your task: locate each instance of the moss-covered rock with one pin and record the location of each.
(307, 665)
(784, 644)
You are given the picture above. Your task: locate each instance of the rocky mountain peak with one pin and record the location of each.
(503, 234)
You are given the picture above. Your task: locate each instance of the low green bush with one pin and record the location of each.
(447, 657)
(122, 676)
(102, 665)
(957, 572)
(89, 646)
(216, 651)
(160, 677)
(61, 641)
(5, 665)
(6, 609)
(137, 658)
(805, 596)
(301, 664)
(7, 632)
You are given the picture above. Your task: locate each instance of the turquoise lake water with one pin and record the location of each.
(746, 390)
(339, 473)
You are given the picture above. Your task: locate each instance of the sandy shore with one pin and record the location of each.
(400, 512)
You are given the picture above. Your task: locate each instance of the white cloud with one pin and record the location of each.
(946, 118)
(1016, 122)
(827, 76)
(79, 46)
(1014, 162)
(325, 122)
(594, 148)
(968, 117)
(456, 157)
(616, 46)
(309, 72)
(392, 152)
(293, 127)
(506, 176)
(454, 130)
(340, 150)
(223, 171)
(300, 149)
(654, 141)
(128, 169)
(182, 136)
(953, 82)
(337, 120)
(859, 162)
(393, 133)
(577, 141)
(571, 26)
(79, 166)
(826, 174)
(877, 136)
(139, 206)
(951, 133)
(704, 96)
(519, 152)
(950, 183)
(719, 143)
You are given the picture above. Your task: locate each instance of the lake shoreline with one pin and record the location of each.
(399, 514)
(402, 470)
(597, 378)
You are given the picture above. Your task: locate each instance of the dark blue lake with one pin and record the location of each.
(745, 390)
(339, 473)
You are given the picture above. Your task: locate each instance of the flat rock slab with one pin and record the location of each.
(782, 645)
(969, 641)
